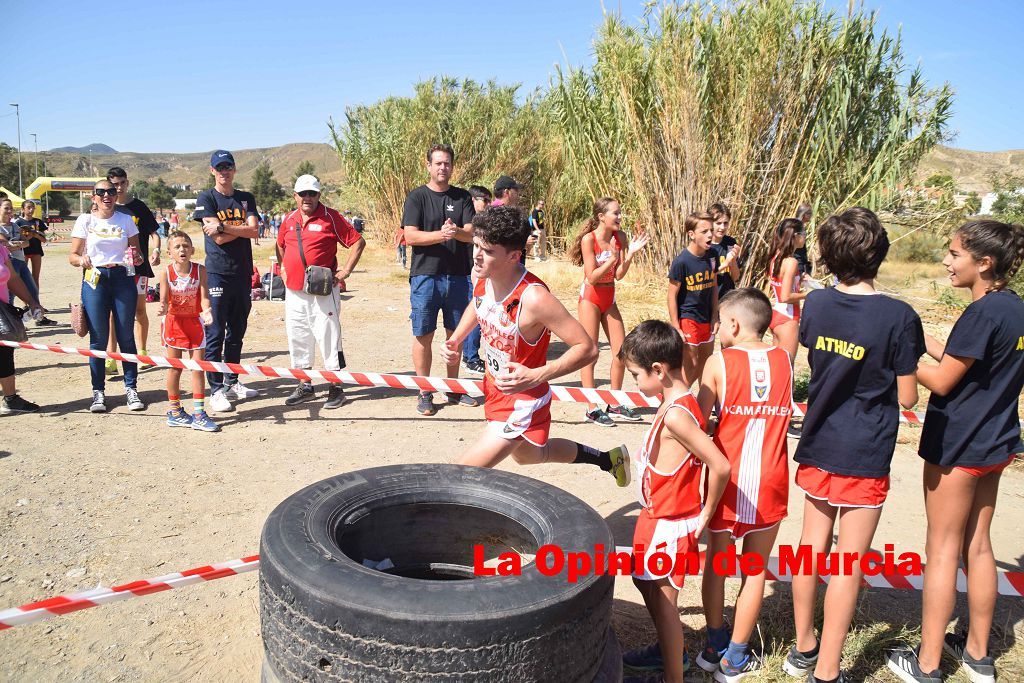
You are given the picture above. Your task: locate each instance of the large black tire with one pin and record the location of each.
(327, 617)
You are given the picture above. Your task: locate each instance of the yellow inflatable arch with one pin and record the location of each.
(38, 187)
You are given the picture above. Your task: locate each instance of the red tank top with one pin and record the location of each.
(183, 295)
(500, 339)
(756, 405)
(790, 310)
(602, 253)
(668, 494)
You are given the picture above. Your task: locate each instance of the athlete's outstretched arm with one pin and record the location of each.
(541, 309)
(451, 347)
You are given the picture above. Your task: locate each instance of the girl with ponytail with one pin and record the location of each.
(600, 247)
(971, 434)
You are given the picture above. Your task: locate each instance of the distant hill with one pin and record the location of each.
(193, 168)
(971, 170)
(94, 148)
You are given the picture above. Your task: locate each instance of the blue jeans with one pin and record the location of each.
(21, 268)
(429, 294)
(230, 301)
(471, 347)
(114, 293)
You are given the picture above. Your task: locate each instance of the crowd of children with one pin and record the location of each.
(863, 351)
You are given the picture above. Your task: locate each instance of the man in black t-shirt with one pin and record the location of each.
(229, 222)
(438, 222)
(148, 229)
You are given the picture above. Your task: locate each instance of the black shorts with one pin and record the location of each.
(34, 248)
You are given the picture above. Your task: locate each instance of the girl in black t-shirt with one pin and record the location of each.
(971, 433)
(693, 295)
(726, 249)
(863, 349)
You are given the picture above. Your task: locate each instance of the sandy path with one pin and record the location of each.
(90, 500)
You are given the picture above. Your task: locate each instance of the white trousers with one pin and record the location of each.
(313, 320)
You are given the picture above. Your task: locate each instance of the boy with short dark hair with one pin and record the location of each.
(751, 383)
(668, 467)
(517, 315)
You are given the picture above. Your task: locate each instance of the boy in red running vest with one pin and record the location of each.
(185, 303)
(752, 385)
(517, 315)
(668, 466)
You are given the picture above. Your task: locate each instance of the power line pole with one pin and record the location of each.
(35, 140)
(17, 111)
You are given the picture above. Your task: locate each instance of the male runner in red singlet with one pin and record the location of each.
(752, 385)
(517, 315)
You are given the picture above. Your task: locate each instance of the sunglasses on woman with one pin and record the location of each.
(101, 191)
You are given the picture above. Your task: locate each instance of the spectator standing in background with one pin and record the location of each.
(229, 222)
(314, 319)
(539, 231)
(35, 228)
(438, 222)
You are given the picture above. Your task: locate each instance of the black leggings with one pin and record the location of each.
(6, 362)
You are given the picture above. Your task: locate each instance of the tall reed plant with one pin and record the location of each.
(762, 104)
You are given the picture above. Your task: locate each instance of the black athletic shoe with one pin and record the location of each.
(46, 322)
(335, 397)
(624, 413)
(463, 400)
(475, 367)
(16, 404)
(798, 664)
(903, 662)
(811, 678)
(978, 670)
(425, 404)
(599, 417)
(302, 392)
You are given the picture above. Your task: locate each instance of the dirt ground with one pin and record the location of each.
(93, 500)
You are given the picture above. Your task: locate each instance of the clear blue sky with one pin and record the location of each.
(193, 76)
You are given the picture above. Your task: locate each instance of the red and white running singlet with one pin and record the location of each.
(756, 405)
(183, 294)
(605, 254)
(182, 328)
(791, 311)
(668, 494)
(528, 413)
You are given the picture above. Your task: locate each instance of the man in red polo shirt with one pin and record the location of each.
(310, 318)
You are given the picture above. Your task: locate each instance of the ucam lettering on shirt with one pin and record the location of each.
(840, 347)
(758, 411)
(232, 216)
(1020, 344)
(699, 281)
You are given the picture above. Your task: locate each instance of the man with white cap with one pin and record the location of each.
(308, 240)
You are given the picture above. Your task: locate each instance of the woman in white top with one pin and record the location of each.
(100, 243)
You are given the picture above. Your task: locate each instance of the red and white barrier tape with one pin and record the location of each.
(63, 604)
(1008, 583)
(472, 387)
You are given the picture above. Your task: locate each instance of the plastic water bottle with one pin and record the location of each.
(129, 258)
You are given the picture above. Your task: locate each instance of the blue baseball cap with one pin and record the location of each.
(221, 156)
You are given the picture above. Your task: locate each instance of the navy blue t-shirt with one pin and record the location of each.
(232, 258)
(721, 250)
(696, 274)
(977, 423)
(856, 346)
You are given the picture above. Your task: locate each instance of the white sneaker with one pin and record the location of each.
(239, 390)
(219, 401)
